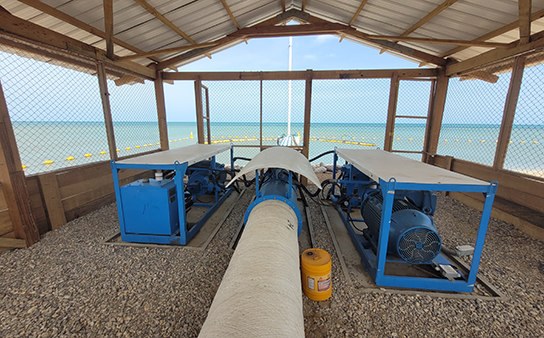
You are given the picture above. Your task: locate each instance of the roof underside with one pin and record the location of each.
(208, 20)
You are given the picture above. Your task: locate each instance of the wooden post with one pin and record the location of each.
(439, 102)
(307, 119)
(199, 113)
(13, 180)
(261, 114)
(161, 111)
(53, 200)
(428, 121)
(108, 25)
(307, 113)
(105, 96)
(391, 112)
(509, 112)
(207, 117)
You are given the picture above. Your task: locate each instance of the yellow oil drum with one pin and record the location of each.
(316, 274)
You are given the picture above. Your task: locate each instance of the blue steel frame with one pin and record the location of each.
(184, 235)
(375, 264)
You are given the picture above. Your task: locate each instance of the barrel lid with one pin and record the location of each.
(315, 256)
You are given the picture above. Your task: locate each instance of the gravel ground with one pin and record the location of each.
(71, 285)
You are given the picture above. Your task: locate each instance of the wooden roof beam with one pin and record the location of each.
(166, 51)
(410, 52)
(78, 24)
(357, 12)
(229, 12)
(304, 5)
(439, 41)
(524, 21)
(427, 18)
(294, 30)
(283, 5)
(10, 24)
(496, 55)
(513, 25)
(164, 20)
(108, 27)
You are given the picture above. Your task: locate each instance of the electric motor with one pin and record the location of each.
(412, 235)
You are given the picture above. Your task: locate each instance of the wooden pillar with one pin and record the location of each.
(428, 121)
(435, 121)
(391, 112)
(199, 113)
(509, 112)
(261, 114)
(307, 119)
(105, 96)
(161, 111)
(13, 180)
(307, 113)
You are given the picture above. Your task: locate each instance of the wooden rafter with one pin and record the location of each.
(78, 23)
(357, 12)
(108, 25)
(294, 30)
(524, 21)
(535, 16)
(230, 13)
(439, 41)
(429, 16)
(283, 5)
(426, 18)
(164, 20)
(11, 25)
(303, 5)
(166, 51)
(495, 55)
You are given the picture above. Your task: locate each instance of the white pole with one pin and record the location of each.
(290, 68)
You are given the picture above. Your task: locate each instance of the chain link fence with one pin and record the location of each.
(56, 112)
(526, 148)
(134, 115)
(411, 117)
(349, 113)
(472, 118)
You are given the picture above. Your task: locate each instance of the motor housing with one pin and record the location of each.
(412, 235)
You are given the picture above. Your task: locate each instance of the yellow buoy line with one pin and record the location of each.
(247, 139)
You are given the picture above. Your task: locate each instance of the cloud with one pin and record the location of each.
(310, 57)
(325, 38)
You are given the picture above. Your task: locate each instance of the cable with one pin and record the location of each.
(321, 155)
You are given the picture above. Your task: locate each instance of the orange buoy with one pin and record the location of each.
(316, 274)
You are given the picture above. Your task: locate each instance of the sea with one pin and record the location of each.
(45, 146)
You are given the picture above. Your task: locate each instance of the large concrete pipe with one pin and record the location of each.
(260, 295)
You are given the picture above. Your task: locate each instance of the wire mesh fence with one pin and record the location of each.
(472, 119)
(411, 117)
(134, 115)
(56, 113)
(526, 148)
(349, 113)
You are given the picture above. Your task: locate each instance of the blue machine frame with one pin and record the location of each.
(184, 235)
(375, 263)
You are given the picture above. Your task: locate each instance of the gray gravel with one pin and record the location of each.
(71, 285)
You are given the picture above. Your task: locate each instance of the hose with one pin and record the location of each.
(321, 155)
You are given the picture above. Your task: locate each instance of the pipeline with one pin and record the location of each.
(260, 295)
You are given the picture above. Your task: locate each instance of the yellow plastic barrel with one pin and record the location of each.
(316, 274)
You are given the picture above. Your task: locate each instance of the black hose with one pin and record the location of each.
(321, 155)
(241, 158)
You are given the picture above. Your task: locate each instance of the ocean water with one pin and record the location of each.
(56, 141)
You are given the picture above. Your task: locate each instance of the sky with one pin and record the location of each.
(322, 52)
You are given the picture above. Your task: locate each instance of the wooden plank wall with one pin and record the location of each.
(519, 199)
(60, 196)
